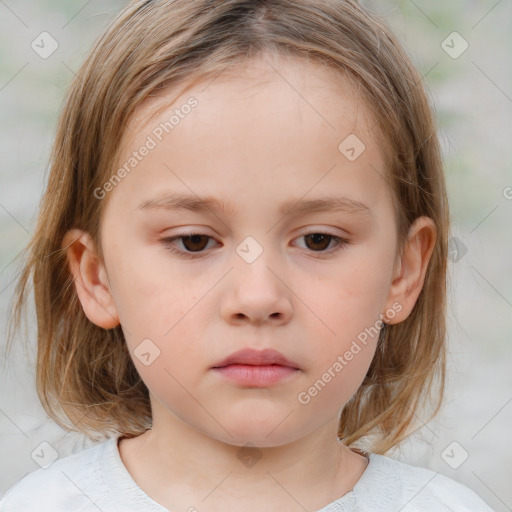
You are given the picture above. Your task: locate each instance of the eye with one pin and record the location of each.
(195, 243)
(319, 241)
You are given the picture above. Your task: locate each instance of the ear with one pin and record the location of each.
(90, 278)
(408, 280)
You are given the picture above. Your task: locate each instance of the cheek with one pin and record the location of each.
(151, 294)
(348, 299)
(158, 315)
(336, 381)
(346, 324)
(343, 353)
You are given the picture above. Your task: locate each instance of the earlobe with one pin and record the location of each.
(90, 279)
(408, 280)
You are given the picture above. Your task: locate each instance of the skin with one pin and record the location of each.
(255, 141)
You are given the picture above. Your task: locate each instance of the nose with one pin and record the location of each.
(256, 293)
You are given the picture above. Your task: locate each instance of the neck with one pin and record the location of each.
(184, 469)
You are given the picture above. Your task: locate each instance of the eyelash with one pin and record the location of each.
(168, 243)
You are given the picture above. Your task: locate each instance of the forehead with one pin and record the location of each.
(271, 125)
(287, 79)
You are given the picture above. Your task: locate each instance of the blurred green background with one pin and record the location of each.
(472, 96)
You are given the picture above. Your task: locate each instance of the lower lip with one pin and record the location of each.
(256, 376)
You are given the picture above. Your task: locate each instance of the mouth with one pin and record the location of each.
(253, 368)
(251, 357)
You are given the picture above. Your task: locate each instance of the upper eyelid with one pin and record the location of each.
(325, 231)
(339, 239)
(331, 230)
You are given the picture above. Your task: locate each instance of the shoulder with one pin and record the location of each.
(71, 483)
(416, 489)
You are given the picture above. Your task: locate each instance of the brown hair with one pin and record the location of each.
(86, 372)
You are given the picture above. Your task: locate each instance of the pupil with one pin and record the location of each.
(318, 237)
(195, 239)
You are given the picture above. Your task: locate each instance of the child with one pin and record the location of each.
(245, 372)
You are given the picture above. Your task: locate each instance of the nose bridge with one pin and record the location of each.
(256, 289)
(250, 249)
(255, 261)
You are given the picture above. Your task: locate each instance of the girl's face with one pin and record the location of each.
(258, 273)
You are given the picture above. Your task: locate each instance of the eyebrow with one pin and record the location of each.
(185, 202)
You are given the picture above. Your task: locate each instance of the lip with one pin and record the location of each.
(256, 376)
(249, 356)
(256, 368)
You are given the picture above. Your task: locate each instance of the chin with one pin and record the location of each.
(262, 434)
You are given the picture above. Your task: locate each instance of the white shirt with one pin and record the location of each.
(96, 480)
